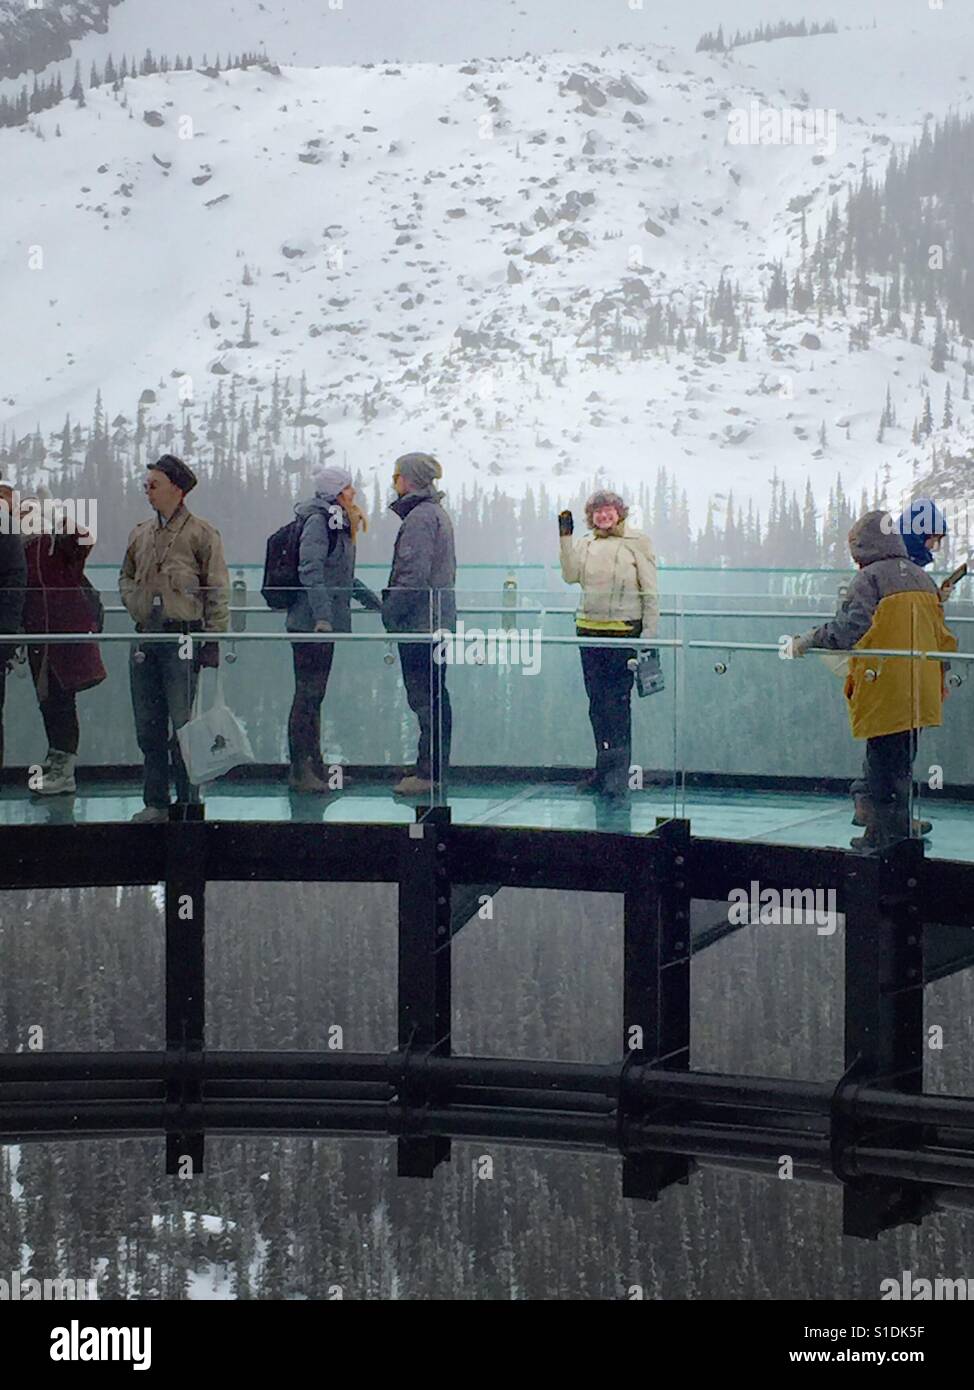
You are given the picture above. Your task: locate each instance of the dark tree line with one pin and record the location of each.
(44, 95)
(764, 33)
(255, 456)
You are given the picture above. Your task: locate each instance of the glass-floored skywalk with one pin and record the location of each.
(745, 745)
(808, 820)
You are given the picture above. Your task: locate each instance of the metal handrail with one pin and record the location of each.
(261, 610)
(41, 639)
(857, 652)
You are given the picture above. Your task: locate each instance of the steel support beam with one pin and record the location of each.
(656, 991)
(185, 890)
(425, 1011)
(883, 1029)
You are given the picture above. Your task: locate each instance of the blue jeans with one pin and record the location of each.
(163, 690)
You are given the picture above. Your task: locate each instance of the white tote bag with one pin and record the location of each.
(214, 741)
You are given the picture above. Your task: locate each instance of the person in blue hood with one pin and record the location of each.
(923, 527)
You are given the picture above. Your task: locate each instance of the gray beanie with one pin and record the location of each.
(329, 482)
(418, 469)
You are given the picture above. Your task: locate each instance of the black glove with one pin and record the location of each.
(566, 524)
(369, 601)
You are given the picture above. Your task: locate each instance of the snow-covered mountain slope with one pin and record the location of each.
(921, 43)
(428, 243)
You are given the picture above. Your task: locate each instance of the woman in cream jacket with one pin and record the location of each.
(616, 569)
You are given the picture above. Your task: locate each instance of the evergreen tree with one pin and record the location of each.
(938, 358)
(926, 423)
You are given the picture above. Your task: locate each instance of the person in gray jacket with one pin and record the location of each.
(421, 598)
(326, 568)
(13, 588)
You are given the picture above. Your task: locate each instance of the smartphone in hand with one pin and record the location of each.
(953, 580)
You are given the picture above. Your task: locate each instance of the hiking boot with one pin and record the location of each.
(58, 777)
(413, 786)
(615, 775)
(861, 817)
(865, 844)
(886, 826)
(151, 815)
(305, 781)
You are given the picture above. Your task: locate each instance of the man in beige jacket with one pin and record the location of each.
(616, 568)
(173, 579)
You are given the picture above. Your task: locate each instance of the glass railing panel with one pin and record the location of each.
(770, 753)
(364, 719)
(524, 737)
(761, 741)
(765, 747)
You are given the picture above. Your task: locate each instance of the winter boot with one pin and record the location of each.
(58, 777)
(866, 812)
(861, 814)
(304, 780)
(413, 786)
(615, 778)
(886, 826)
(591, 783)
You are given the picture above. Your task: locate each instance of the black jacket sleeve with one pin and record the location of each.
(370, 601)
(13, 583)
(852, 621)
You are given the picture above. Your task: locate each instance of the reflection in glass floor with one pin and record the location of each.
(771, 817)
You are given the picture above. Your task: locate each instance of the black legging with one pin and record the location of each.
(608, 684)
(312, 667)
(59, 710)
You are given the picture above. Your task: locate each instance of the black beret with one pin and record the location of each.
(179, 474)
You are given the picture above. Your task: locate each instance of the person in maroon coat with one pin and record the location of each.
(60, 599)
